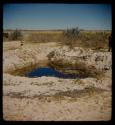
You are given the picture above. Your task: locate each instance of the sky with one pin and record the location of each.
(57, 16)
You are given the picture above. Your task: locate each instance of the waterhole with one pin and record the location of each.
(47, 71)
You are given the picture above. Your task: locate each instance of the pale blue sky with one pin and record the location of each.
(57, 16)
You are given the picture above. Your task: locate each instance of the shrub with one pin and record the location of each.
(73, 32)
(16, 35)
(71, 35)
(5, 36)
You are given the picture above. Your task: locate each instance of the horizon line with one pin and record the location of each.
(54, 29)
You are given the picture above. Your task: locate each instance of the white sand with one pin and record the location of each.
(50, 98)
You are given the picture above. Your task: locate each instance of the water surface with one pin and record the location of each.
(49, 72)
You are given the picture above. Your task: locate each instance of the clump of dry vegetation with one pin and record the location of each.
(95, 39)
(87, 39)
(16, 35)
(71, 37)
(44, 37)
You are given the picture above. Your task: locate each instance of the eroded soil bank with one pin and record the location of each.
(50, 98)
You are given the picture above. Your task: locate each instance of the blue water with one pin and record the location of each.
(49, 72)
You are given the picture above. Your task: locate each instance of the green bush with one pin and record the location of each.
(16, 35)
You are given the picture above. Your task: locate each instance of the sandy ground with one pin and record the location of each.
(50, 99)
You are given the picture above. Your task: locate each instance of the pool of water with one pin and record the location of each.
(49, 72)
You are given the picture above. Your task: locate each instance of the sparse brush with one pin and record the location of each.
(95, 40)
(16, 35)
(70, 36)
(87, 39)
(44, 37)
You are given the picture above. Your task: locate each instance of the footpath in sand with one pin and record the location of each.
(50, 98)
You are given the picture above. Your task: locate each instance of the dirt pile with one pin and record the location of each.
(24, 57)
(83, 60)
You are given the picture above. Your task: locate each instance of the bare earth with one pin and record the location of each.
(50, 98)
